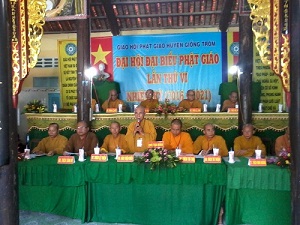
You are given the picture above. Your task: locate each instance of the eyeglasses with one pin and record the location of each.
(81, 127)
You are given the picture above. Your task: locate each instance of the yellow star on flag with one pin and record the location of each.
(100, 55)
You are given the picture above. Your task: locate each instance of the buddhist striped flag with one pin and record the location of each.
(232, 51)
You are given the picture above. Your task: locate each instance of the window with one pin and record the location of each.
(49, 82)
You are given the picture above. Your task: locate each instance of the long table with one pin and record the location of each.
(268, 125)
(124, 192)
(45, 186)
(257, 195)
(131, 193)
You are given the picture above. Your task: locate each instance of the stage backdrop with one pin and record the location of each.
(170, 65)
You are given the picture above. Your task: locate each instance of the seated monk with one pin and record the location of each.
(114, 140)
(53, 144)
(209, 140)
(283, 142)
(175, 138)
(113, 101)
(246, 144)
(190, 102)
(150, 103)
(82, 139)
(231, 102)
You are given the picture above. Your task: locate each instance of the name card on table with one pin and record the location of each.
(257, 162)
(156, 144)
(99, 158)
(125, 158)
(187, 158)
(212, 159)
(65, 160)
(111, 110)
(232, 110)
(195, 110)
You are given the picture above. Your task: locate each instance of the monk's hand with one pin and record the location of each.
(137, 128)
(38, 152)
(204, 152)
(51, 153)
(241, 152)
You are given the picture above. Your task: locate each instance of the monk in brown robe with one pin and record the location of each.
(82, 139)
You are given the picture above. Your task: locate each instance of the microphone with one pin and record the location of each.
(137, 125)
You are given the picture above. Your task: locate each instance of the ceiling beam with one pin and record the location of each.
(165, 15)
(225, 15)
(112, 19)
(122, 2)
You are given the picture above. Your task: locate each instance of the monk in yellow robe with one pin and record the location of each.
(209, 140)
(190, 102)
(175, 138)
(150, 103)
(283, 142)
(114, 140)
(140, 132)
(113, 101)
(53, 144)
(246, 144)
(231, 102)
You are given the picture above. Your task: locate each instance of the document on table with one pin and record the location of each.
(72, 153)
(38, 155)
(32, 156)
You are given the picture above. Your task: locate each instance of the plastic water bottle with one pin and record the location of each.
(54, 107)
(231, 156)
(97, 108)
(74, 108)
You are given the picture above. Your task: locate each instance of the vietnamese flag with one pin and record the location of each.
(101, 52)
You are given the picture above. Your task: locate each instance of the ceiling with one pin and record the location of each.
(116, 16)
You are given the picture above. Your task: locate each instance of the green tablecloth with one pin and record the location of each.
(45, 186)
(257, 195)
(132, 193)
